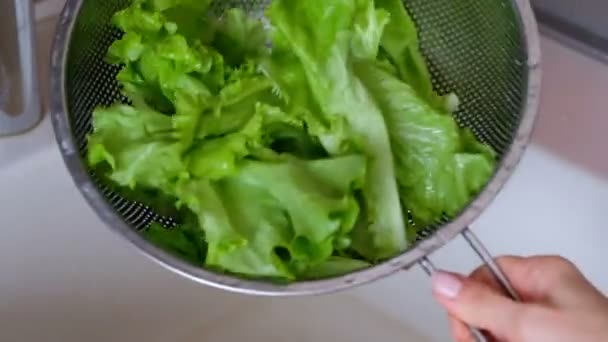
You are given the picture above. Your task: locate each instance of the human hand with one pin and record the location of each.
(558, 302)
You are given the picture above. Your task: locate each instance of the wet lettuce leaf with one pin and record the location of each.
(295, 149)
(185, 241)
(299, 208)
(325, 51)
(440, 167)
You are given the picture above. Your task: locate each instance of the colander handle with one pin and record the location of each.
(485, 256)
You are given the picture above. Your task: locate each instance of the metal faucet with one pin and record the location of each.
(20, 105)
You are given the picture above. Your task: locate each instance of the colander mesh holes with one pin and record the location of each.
(473, 47)
(92, 82)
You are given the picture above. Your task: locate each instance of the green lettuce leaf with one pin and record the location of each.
(186, 241)
(140, 147)
(136, 19)
(276, 219)
(335, 266)
(239, 37)
(319, 34)
(401, 47)
(293, 152)
(191, 5)
(440, 167)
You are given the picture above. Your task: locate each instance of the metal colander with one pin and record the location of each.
(486, 51)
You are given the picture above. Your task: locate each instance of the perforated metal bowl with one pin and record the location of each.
(486, 51)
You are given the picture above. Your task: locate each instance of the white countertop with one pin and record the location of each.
(61, 264)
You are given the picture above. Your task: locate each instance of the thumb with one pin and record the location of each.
(477, 304)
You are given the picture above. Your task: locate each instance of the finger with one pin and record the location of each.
(462, 332)
(477, 304)
(542, 279)
(559, 281)
(484, 275)
(459, 330)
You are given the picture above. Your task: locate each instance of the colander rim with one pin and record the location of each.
(405, 260)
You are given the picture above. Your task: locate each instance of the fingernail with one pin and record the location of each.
(446, 284)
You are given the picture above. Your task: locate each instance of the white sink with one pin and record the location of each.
(67, 277)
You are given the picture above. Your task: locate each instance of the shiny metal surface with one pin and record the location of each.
(485, 51)
(429, 268)
(486, 257)
(20, 107)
